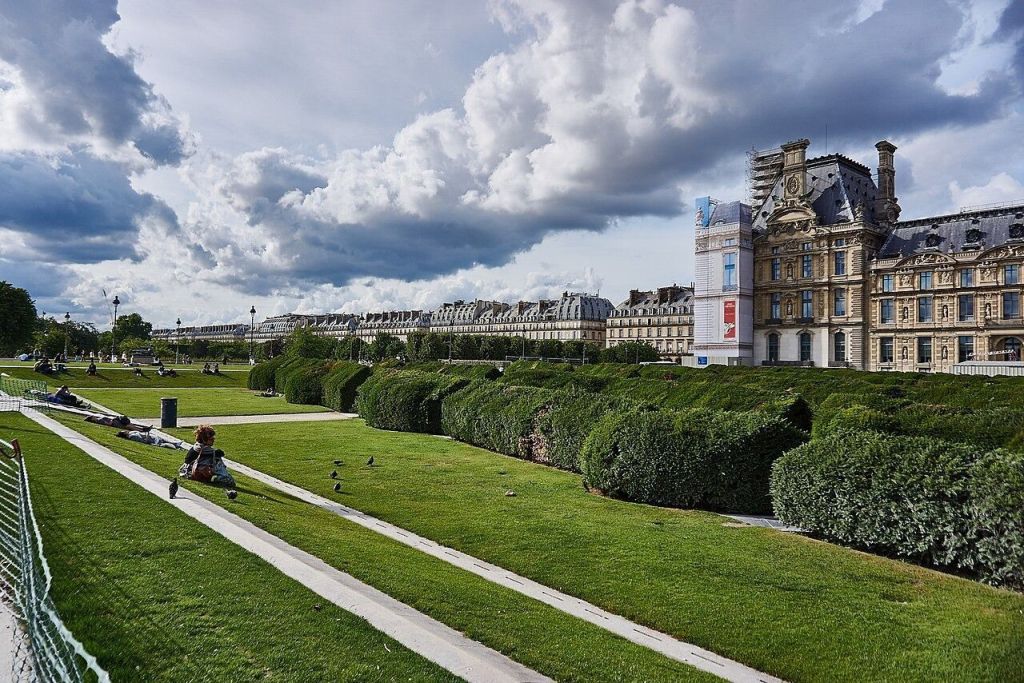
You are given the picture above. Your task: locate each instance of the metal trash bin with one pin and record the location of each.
(168, 413)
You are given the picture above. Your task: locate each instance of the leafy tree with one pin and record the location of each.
(466, 347)
(304, 343)
(495, 348)
(630, 352)
(549, 348)
(385, 346)
(54, 336)
(132, 325)
(17, 319)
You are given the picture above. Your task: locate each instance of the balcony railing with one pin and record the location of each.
(788, 363)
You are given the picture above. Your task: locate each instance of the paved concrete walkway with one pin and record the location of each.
(767, 522)
(695, 656)
(431, 639)
(250, 419)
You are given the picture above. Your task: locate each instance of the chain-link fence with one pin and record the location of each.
(17, 393)
(42, 648)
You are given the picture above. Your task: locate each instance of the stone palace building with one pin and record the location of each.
(819, 271)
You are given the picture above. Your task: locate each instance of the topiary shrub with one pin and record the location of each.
(497, 417)
(261, 376)
(793, 409)
(405, 401)
(289, 367)
(697, 458)
(921, 498)
(568, 420)
(341, 384)
(304, 383)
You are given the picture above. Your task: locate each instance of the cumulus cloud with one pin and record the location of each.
(602, 111)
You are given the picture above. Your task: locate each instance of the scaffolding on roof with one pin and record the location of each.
(763, 168)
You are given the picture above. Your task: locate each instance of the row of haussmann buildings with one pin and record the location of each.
(817, 270)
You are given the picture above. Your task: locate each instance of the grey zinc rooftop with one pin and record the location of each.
(727, 213)
(836, 184)
(977, 230)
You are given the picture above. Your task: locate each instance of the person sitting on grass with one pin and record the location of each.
(65, 397)
(166, 372)
(91, 371)
(138, 372)
(203, 463)
(207, 370)
(216, 368)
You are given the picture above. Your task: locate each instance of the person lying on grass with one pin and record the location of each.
(203, 463)
(147, 438)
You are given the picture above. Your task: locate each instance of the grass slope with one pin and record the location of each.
(539, 636)
(195, 402)
(124, 377)
(156, 596)
(798, 608)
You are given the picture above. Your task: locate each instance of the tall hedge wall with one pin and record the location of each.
(495, 416)
(341, 383)
(405, 401)
(697, 458)
(261, 375)
(921, 498)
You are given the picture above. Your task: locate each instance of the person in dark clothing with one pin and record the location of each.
(92, 369)
(204, 463)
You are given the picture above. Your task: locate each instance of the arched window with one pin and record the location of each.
(1012, 347)
(839, 347)
(805, 346)
(773, 347)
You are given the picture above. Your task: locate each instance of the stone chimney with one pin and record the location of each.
(794, 169)
(888, 208)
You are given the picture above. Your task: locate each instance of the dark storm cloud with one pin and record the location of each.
(1011, 27)
(80, 87)
(600, 114)
(75, 209)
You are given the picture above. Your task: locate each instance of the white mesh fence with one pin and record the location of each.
(43, 649)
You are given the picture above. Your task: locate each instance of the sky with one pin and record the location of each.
(197, 158)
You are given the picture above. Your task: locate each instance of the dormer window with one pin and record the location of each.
(1017, 230)
(973, 235)
(932, 240)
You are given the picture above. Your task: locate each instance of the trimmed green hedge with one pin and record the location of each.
(925, 499)
(341, 384)
(405, 401)
(568, 420)
(292, 366)
(496, 417)
(304, 383)
(261, 375)
(698, 458)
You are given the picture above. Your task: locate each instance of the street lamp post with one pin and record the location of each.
(252, 331)
(523, 354)
(450, 326)
(67, 333)
(177, 339)
(113, 328)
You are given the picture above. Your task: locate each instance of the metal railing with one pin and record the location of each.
(43, 649)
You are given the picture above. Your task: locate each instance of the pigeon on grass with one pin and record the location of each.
(173, 488)
(334, 474)
(337, 462)
(232, 494)
(337, 487)
(370, 461)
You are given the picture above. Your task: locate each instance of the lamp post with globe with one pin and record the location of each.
(177, 339)
(67, 333)
(113, 328)
(252, 332)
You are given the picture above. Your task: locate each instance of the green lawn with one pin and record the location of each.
(539, 636)
(195, 402)
(125, 377)
(798, 608)
(156, 596)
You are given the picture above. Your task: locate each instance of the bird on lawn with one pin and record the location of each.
(337, 487)
(173, 488)
(370, 461)
(337, 462)
(232, 494)
(334, 474)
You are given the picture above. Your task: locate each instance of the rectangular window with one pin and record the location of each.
(840, 263)
(924, 280)
(773, 347)
(1011, 304)
(924, 309)
(964, 349)
(840, 302)
(887, 310)
(729, 271)
(731, 242)
(885, 350)
(805, 246)
(839, 242)
(776, 311)
(887, 282)
(1011, 275)
(924, 350)
(965, 307)
(807, 267)
(806, 304)
(805, 347)
(776, 250)
(776, 269)
(967, 277)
